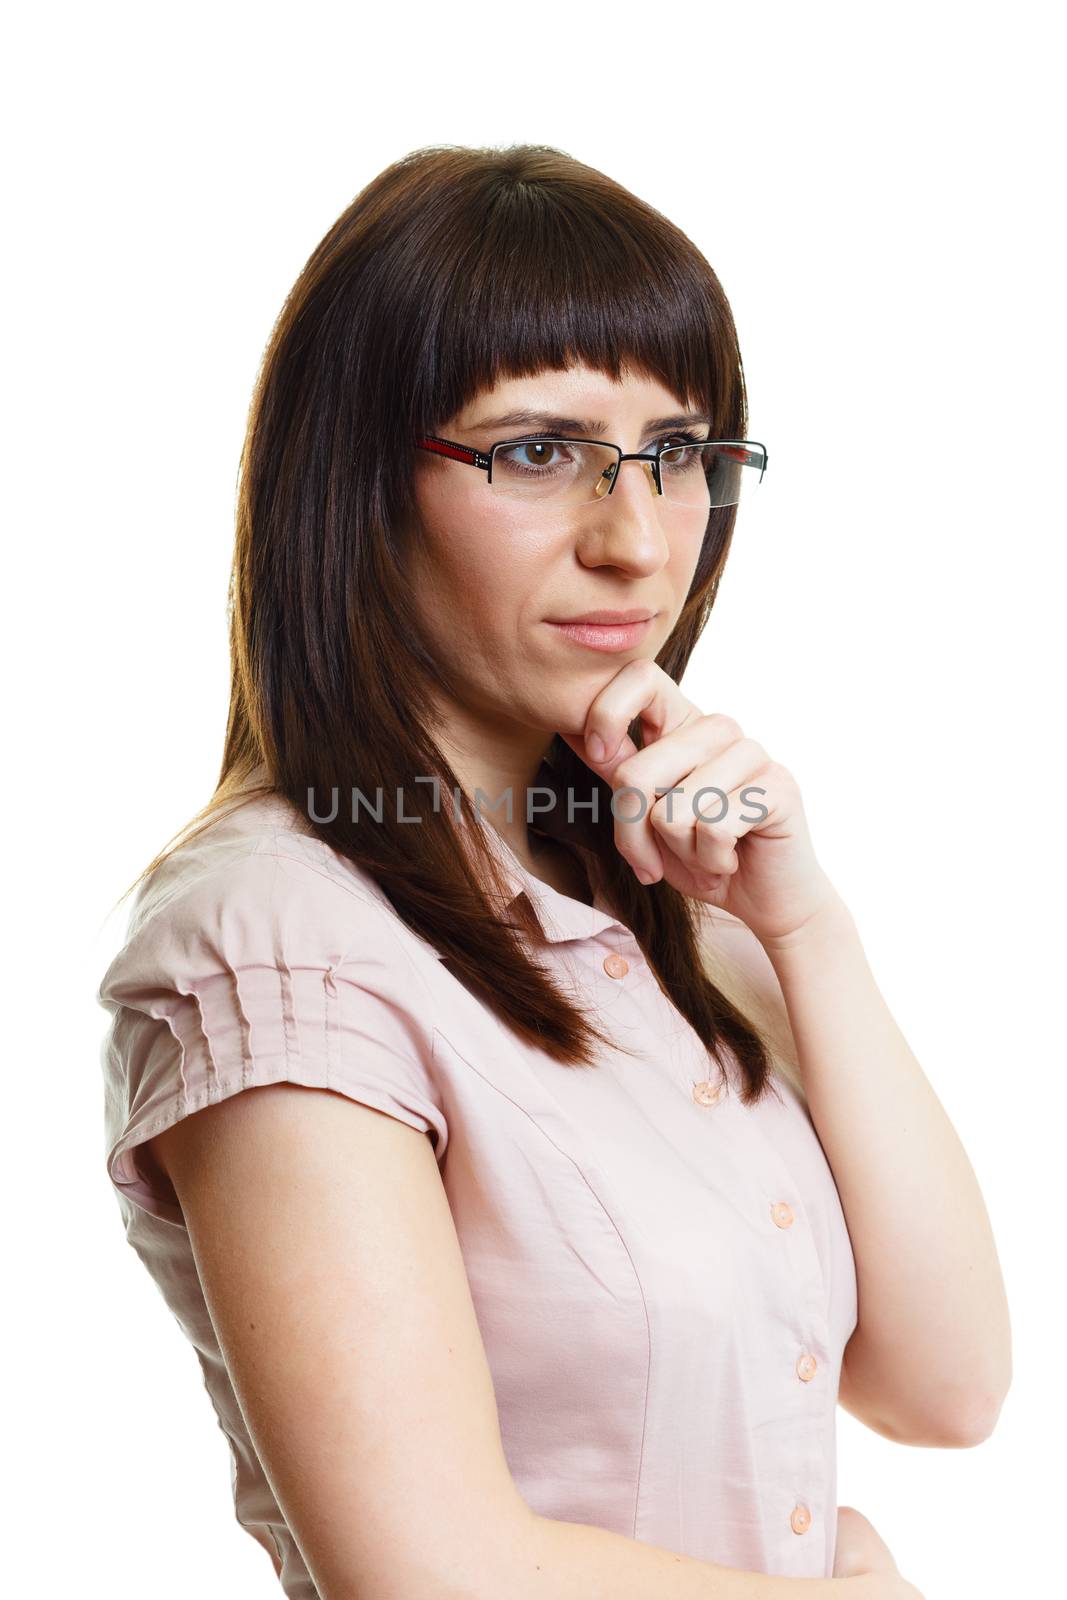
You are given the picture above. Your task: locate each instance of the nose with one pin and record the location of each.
(625, 528)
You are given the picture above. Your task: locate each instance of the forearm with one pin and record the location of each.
(554, 1560)
(933, 1341)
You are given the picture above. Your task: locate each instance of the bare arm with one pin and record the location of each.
(334, 1278)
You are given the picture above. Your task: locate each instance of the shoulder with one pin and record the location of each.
(257, 956)
(255, 889)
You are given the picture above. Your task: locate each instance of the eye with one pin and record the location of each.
(538, 456)
(682, 438)
(535, 452)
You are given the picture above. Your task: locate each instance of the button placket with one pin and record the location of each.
(615, 968)
(812, 1451)
(800, 1519)
(688, 1054)
(805, 1367)
(803, 1274)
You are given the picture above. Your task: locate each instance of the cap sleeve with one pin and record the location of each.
(266, 970)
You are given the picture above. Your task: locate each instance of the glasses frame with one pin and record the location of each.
(478, 458)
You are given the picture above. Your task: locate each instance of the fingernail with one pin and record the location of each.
(645, 877)
(596, 747)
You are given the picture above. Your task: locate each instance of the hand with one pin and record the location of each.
(860, 1549)
(863, 1555)
(757, 862)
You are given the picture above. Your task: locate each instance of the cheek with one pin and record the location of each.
(685, 553)
(496, 559)
(480, 577)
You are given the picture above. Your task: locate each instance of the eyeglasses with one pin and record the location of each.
(683, 471)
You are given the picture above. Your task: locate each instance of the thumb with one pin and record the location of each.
(603, 769)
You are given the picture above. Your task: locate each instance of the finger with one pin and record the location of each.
(578, 744)
(709, 752)
(641, 779)
(699, 818)
(709, 848)
(721, 802)
(651, 863)
(641, 689)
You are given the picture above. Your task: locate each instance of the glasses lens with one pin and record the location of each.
(710, 475)
(566, 470)
(575, 471)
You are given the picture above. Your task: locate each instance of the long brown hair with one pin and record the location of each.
(453, 268)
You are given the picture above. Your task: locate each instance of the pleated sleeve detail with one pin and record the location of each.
(264, 970)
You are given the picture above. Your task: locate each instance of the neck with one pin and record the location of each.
(496, 770)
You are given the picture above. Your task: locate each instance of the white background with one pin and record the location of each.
(878, 190)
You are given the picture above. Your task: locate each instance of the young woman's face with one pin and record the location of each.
(492, 574)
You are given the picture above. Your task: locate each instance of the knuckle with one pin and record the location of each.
(756, 753)
(720, 723)
(626, 775)
(640, 669)
(670, 817)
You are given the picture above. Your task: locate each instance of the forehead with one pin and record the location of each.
(579, 391)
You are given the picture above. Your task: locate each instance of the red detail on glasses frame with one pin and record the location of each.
(457, 452)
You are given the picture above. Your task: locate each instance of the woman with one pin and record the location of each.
(580, 1130)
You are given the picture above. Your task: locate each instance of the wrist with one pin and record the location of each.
(826, 926)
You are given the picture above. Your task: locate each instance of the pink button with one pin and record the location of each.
(800, 1519)
(707, 1093)
(782, 1214)
(806, 1366)
(616, 966)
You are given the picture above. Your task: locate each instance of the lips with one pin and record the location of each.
(605, 635)
(606, 618)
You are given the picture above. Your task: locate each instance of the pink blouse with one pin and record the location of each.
(662, 1276)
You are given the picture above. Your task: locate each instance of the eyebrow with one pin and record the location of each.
(557, 424)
